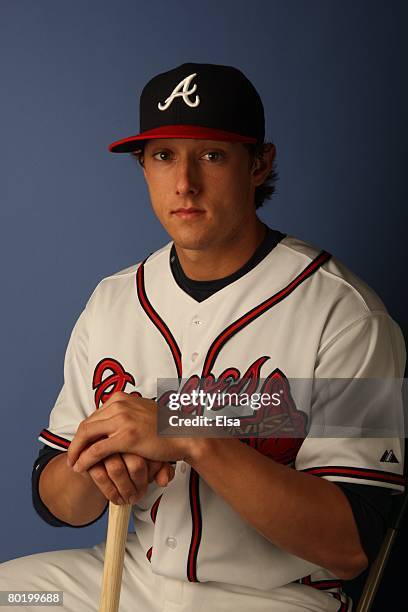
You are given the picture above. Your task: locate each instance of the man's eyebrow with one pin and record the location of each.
(199, 148)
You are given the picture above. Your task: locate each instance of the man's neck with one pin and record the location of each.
(218, 263)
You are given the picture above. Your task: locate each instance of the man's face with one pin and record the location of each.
(202, 191)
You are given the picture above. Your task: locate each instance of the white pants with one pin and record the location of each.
(78, 573)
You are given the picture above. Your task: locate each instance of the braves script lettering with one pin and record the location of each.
(275, 431)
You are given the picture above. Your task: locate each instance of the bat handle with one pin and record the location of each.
(118, 525)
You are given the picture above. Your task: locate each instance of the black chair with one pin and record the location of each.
(376, 571)
(363, 589)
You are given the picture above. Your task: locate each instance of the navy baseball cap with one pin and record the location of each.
(205, 101)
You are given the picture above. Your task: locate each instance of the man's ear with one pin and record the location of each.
(138, 158)
(262, 165)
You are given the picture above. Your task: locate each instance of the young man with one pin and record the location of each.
(273, 524)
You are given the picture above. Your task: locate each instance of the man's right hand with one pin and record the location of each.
(79, 498)
(123, 478)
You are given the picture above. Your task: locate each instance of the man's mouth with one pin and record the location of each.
(188, 213)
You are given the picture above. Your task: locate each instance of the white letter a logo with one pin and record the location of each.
(182, 89)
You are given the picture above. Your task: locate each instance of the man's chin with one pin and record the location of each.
(191, 245)
(192, 240)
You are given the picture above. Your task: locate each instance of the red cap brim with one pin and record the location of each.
(129, 144)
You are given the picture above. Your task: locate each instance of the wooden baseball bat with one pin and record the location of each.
(118, 524)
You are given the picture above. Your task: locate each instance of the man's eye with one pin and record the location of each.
(214, 155)
(161, 155)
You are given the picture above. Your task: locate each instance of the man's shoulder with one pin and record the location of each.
(116, 282)
(122, 274)
(335, 277)
(340, 299)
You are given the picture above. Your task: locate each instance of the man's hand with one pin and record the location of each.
(123, 479)
(126, 424)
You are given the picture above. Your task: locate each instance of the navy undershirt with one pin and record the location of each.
(201, 290)
(370, 505)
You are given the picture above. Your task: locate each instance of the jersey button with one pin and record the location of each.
(194, 356)
(197, 322)
(171, 542)
(183, 467)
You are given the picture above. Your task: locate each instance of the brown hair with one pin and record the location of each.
(267, 189)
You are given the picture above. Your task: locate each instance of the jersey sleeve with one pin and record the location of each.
(371, 507)
(371, 347)
(44, 456)
(75, 400)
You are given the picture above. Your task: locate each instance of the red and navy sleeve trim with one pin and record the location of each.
(157, 320)
(54, 440)
(246, 319)
(336, 587)
(378, 476)
(321, 584)
(344, 605)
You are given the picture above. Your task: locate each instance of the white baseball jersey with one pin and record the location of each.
(299, 313)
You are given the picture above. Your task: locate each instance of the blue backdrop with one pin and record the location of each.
(333, 81)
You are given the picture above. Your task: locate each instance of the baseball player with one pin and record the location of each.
(262, 523)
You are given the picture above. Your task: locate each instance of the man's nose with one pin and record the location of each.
(187, 180)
